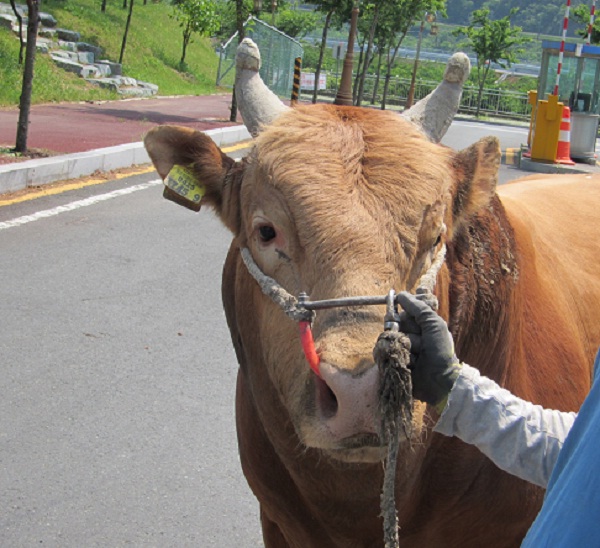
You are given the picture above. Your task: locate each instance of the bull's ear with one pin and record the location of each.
(476, 170)
(195, 171)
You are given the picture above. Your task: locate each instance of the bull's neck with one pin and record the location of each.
(484, 271)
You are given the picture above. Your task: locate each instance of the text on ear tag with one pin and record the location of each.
(183, 187)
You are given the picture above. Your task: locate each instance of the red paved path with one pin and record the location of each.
(79, 127)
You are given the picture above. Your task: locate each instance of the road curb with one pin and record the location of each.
(42, 171)
(514, 157)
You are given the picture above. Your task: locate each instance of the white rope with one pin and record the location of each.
(289, 304)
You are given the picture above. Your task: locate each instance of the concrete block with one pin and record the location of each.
(47, 33)
(127, 81)
(7, 21)
(85, 57)
(103, 69)
(7, 8)
(42, 47)
(228, 135)
(13, 177)
(68, 35)
(116, 69)
(64, 55)
(46, 170)
(146, 85)
(89, 71)
(107, 83)
(90, 48)
(67, 46)
(47, 20)
(83, 164)
(67, 64)
(527, 164)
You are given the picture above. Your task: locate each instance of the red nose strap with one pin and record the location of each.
(308, 345)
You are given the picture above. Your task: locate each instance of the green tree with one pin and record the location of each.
(194, 17)
(297, 23)
(397, 19)
(492, 41)
(581, 14)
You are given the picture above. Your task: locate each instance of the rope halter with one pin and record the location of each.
(391, 354)
(302, 310)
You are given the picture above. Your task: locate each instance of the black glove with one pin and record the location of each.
(434, 367)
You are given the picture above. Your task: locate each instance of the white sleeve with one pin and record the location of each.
(519, 437)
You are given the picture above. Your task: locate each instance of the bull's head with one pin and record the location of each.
(334, 202)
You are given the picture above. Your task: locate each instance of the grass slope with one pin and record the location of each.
(152, 53)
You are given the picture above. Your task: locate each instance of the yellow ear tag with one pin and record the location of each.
(182, 187)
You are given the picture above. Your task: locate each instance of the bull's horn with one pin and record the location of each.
(435, 113)
(258, 105)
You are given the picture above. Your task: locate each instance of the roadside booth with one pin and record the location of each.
(579, 88)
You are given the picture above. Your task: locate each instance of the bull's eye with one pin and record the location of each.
(267, 233)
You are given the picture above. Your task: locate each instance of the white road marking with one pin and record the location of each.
(512, 129)
(77, 205)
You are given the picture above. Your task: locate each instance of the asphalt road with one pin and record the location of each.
(117, 373)
(117, 376)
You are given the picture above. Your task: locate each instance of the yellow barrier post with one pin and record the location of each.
(532, 100)
(547, 128)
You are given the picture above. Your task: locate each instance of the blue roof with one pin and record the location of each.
(570, 47)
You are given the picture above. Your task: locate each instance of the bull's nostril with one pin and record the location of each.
(326, 400)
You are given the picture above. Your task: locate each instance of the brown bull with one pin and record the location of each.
(340, 201)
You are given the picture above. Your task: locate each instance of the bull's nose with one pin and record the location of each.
(348, 404)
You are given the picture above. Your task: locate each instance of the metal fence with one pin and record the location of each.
(494, 102)
(278, 52)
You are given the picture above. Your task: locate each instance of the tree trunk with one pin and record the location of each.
(481, 79)
(103, 6)
(368, 57)
(390, 64)
(377, 76)
(124, 4)
(239, 22)
(124, 43)
(321, 54)
(21, 41)
(187, 34)
(411, 91)
(358, 69)
(386, 87)
(27, 88)
(479, 94)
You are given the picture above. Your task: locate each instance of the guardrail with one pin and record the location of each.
(494, 102)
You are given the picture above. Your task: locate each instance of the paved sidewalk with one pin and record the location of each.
(101, 136)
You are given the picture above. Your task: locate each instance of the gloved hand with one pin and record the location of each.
(434, 366)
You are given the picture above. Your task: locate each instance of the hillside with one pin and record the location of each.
(152, 54)
(539, 16)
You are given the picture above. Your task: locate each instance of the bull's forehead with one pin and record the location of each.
(352, 172)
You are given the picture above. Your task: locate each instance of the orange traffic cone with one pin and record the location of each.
(563, 150)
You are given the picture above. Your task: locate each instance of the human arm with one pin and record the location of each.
(519, 437)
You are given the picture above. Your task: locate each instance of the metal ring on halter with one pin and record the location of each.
(390, 320)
